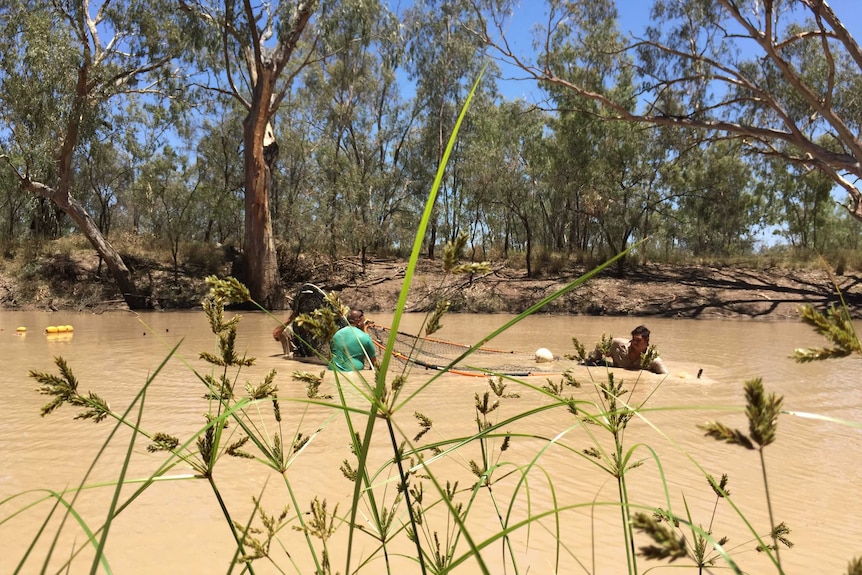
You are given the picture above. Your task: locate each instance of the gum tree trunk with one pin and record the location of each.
(261, 265)
(121, 274)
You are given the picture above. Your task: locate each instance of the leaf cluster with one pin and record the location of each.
(762, 410)
(835, 326)
(64, 389)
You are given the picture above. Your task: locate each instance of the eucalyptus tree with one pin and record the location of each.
(446, 58)
(395, 132)
(780, 77)
(454, 194)
(104, 175)
(804, 203)
(351, 92)
(219, 174)
(13, 208)
(499, 160)
(627, 187)
(294, 192)
(720, 202)
(610, 180)
(566, 206)
(365, 127)
(137, 143)
(255, 52)
(66, 66)
(842, 238)
(469, 206)
(609, 174)
(174, 214)
(345, 129)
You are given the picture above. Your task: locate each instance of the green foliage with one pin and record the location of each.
(64, 389)
(322, 323)
(836, 326)
(266, 388)
(721, 432)
(580, 351)
(312, 383)
(425, 423)
(259, 548)
(719, 487)
(226, 291)
(762, 410)
(163, 442)
(453, 252)
(779, 533)
(666, 543)
(433, 325)
(648, 356)
(602, 350)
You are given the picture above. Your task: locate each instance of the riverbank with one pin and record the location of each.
(647, 290)
(75, 282)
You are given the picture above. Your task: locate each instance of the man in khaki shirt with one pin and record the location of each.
(627, 353)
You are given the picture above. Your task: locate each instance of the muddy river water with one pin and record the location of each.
(176, 525)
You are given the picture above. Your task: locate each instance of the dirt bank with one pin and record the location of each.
(647, 290)
(653, 290)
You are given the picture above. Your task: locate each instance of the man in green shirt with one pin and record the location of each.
(351, 346)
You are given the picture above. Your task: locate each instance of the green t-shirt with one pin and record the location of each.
(349, 347)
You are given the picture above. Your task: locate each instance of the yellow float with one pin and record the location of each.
(59, 328)
(22, 328)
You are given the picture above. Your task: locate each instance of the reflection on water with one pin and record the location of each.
(176, 526)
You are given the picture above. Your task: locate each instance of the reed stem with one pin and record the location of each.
(771, 516)
(406, 489)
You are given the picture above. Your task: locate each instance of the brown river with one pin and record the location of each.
(813, 470)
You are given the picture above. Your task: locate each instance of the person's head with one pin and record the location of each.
(356, 317)
(640, 338)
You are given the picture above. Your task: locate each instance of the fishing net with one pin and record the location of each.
(441, 355)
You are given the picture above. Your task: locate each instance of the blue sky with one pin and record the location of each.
(633, 16)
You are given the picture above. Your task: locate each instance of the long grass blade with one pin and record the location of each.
(396, 320)
(110, 517)
(37, 536)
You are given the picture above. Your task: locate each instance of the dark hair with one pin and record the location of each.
(354, 315)
(642, 331)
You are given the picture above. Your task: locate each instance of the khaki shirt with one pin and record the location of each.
(620, 355)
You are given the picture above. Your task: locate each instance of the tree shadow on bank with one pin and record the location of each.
(732, 292)
(659, 290)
